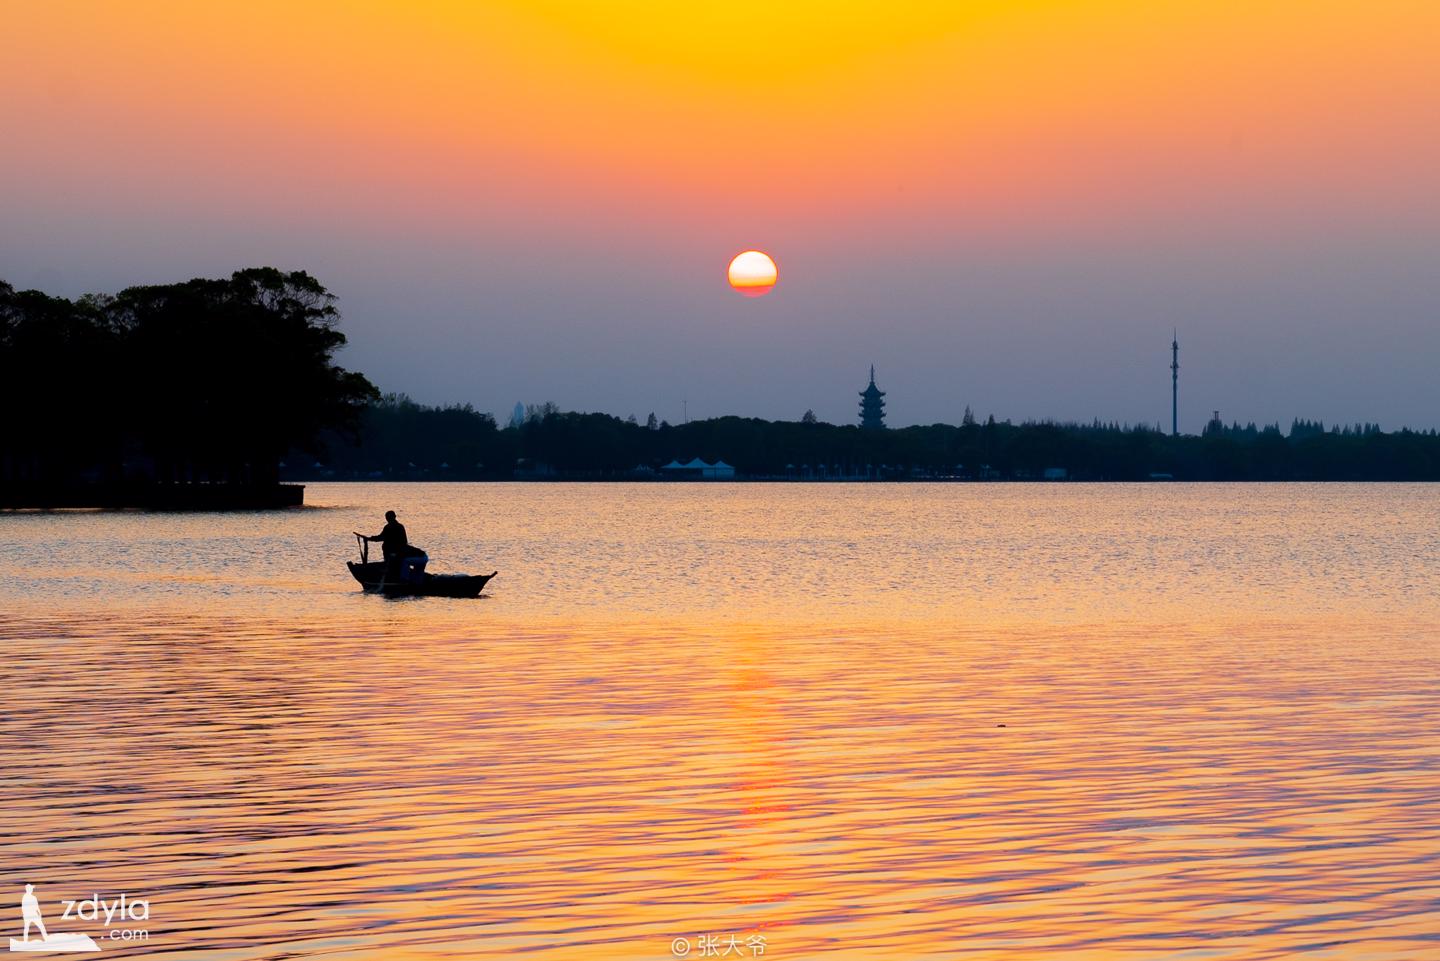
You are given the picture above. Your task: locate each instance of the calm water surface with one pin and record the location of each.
(982, 722)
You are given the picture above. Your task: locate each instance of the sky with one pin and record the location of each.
(1005, 204)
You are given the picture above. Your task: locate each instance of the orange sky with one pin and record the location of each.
(996, 108)
(655, 140)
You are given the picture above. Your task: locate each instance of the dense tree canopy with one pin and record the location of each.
(202, 380)
(401, 439)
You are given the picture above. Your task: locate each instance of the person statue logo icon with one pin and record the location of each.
(30, 914)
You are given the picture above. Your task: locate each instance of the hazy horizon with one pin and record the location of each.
(1004, 208)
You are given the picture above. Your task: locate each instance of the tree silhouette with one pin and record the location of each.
(599, 446)
(209, 380)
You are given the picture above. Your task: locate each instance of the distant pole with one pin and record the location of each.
(1175, 385)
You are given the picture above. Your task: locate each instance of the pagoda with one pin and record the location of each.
(872, 405)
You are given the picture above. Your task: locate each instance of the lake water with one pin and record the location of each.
(1152, 722)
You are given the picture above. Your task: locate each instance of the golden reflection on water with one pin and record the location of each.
(279, 792)
(303, 772)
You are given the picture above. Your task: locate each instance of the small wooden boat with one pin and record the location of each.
(372, 578)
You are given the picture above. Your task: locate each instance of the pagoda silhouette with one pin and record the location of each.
(872, 405)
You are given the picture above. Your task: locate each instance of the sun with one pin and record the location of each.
(753, 273)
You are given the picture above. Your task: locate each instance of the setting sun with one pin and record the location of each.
(753, 273)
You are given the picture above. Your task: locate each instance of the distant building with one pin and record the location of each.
(697, 469)
(872, 405)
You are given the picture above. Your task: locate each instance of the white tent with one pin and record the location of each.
(699, 468)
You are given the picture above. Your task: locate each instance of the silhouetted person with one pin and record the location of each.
(391, 537)
(402, 562)
(30, 913)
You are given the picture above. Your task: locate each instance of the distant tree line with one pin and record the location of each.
(401, 439)
(232, 382)
(201, 381)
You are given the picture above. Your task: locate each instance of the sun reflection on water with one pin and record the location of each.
(311, 773)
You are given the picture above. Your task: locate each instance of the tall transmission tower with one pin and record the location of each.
(1175, 385)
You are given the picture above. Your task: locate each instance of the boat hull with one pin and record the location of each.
(372, 579)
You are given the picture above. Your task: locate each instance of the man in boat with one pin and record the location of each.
(402, 562)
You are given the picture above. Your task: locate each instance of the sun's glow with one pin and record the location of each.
(753, 273)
